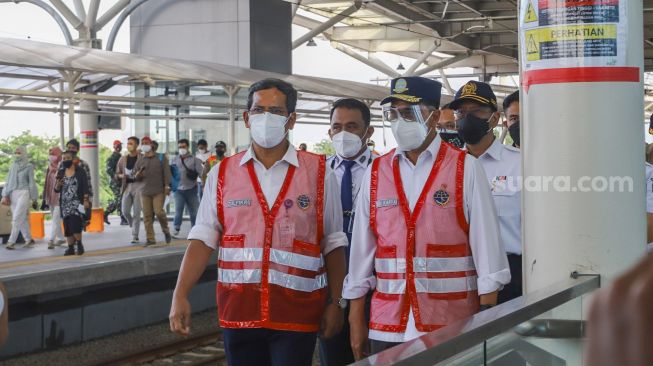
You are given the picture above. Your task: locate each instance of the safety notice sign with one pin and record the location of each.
(572, 33)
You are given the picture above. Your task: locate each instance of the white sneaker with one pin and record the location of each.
(10, 246)
(29, 244)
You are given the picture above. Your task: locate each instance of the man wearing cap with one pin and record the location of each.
(213, 160)
(114, 184)
(426, 235)
(447, 127)
(350, 130)
(475, 109)
(274, 216)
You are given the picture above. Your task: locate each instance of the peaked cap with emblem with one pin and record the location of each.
(475, 91)
(414, 89)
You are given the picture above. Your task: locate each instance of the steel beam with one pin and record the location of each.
(328, 24)
(373, 64)
(110, 14)
(442, 64)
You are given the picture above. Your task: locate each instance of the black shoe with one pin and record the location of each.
(80, 248)
(70, 250)
(168, 238)
(123, 221)
(106, 219)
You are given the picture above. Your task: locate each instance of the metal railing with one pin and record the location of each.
(458, 337)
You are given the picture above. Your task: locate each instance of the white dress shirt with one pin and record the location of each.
(488, 251)
(502, 164)
(357, 170)
(208, 229)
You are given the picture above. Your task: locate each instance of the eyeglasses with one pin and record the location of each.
(273, 110)
(462, 113)
(408, 114)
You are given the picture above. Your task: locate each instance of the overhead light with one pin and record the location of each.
(400, 67)
(311, 43)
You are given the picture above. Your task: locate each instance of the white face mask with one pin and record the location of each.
(146, 148)
(409, 135)
(267, 129)
(202, 151)
(183, 152)
(347, 144)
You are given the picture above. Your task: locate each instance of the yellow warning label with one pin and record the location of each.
(530, 15)
(571, 41)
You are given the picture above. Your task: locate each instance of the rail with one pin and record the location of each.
(458, 337)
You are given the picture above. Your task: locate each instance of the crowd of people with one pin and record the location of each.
(359, 250)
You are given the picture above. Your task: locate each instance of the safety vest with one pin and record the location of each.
(423, 259)
(270, 267)
(212, 161)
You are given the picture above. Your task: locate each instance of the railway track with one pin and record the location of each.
(199, 350)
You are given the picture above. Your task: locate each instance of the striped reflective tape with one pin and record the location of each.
(240, 254)
(297, 283)
(295, 260)
(390, 265)
(239, 275)
(391, 286)
(455, 264)
(445, 285)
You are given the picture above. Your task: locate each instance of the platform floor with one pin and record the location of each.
(114, 239)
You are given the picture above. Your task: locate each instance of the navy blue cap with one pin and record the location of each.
(414, 89)
(475, 91)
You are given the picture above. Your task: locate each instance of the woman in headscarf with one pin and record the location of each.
(51, 198)
(20, 190)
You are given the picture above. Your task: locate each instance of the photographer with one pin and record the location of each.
(186, 194)
(72, 185)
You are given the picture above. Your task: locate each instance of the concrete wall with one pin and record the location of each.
(246, 33)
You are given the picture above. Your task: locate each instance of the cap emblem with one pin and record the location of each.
(469, 89)
(400, 86)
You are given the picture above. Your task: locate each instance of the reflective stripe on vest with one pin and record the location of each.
(297, 283)
(277, 256)
(420, 264)
(239, 275)
(428, 285)
(240, 254)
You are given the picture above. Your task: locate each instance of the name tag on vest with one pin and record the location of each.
(389, 202)
(238, 203)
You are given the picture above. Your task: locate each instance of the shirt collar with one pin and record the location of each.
(494, 151)
(431, 149)
(361, 160)
(289, 157)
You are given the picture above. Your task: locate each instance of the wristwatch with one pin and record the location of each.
(341, 303)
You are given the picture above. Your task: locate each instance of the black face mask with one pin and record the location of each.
(67, 163)
(452, 138)
(219, 153)
(471, 129)
(513, 130)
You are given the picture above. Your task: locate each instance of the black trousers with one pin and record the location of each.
(268, 347)
(514, 288)
(336, 351)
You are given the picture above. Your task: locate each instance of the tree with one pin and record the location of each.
(37, 151)
(324, 147)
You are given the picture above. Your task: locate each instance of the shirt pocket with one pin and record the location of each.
(507, 203)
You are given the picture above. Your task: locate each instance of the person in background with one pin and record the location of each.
(4, 314)
(511, 112)
(115, 202)
(350, 129)
(130, 188)
(447, 127)
(74, 200)
(303, 147)
(73, 146)
(189, 168)
(203, 152)
(153, 170)
(475, 108)
(372, 146)
(620, 321)
(220, 154)
(427, 205)
(20, 191)
(51, 198)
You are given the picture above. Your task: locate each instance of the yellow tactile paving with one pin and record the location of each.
(90, 253)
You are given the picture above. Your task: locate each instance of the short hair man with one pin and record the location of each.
(130, 188)
(186, 195)
(511, 111)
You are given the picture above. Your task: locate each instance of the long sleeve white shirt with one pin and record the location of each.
(484, 238)
(208, 229)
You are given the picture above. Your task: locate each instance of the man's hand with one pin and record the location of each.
(620, 324)
(180, 316)
(358, 334)
(6, 201)
(332, 321)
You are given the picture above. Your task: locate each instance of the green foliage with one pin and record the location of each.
(105, 190)
(324, 147)
(37, 150)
